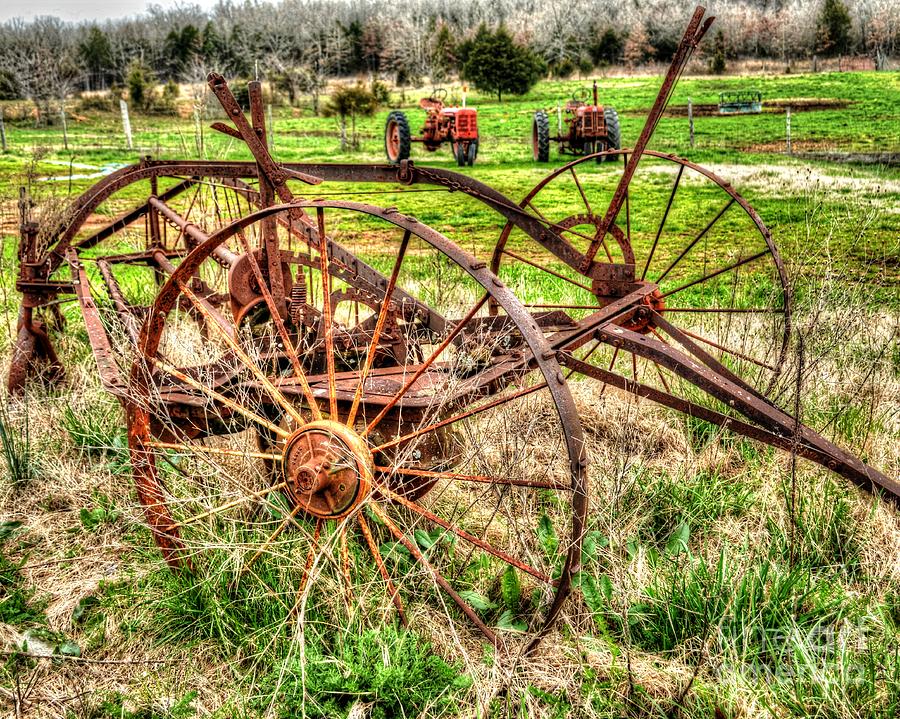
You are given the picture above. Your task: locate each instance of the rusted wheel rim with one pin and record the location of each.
(330, 470)
(746, 324)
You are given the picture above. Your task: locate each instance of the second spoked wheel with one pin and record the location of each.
(718, 280)
(348, 446)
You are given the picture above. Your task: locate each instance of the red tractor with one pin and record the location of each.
(589, 129)
(456, 125)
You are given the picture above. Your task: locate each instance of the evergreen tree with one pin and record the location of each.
(96, 54)
(442, 53)
(717, 61)
(140, 82)
(180, 47)
(605, 47)
(496, 64)
(833, 30)
(212, 46)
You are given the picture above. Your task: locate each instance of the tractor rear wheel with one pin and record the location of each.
(540, 137)
(397, 137)
(613, 133)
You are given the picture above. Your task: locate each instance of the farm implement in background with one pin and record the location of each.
(742, 102)
(303, 408)
(586, 129)
(456, 125)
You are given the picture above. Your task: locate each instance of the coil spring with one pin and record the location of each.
(298, 299)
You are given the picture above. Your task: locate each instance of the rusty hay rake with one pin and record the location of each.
(296, 399)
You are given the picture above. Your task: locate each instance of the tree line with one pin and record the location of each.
(297, 45)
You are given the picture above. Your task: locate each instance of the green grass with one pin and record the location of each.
(867, 124)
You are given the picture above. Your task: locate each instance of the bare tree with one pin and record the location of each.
(41, 59)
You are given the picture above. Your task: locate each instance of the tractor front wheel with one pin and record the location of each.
(540, 137)
(471, 152)
(397, 137)
(459, 153)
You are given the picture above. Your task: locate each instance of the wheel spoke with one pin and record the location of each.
(584, 198)
(463, 534)
(612, 363)
(438, 577)
(425, 365)
(734, 310)
(290, 519)
(310, 556)
(250, 364)
(326, 312)
(459, 417)
(696, 240)
(545, 269)
(214, 450)
(662, 223)
(230, 505)
(559, 228)
(662, 378)
(560, 307)
(379, 326)
(345, 561)
(735, 353)
(382, 569)
(200, 387)
(734, 266)
(483, 479)
(279, 324)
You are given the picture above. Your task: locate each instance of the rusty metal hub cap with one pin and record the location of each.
(328, 469)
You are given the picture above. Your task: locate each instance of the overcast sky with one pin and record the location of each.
(78, 10)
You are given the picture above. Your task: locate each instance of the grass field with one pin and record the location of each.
(716, 581)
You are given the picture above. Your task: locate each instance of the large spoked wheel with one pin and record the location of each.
(397, 137)
(713, 275)
(339, 445)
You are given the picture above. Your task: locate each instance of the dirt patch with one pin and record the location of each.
(776, 106)
(771, 179)
(804, 146)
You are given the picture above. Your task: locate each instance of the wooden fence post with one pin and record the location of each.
(691, 121)
(62, 114)
(126, 124)
(2, 132)
(198, 131)
(787, 128)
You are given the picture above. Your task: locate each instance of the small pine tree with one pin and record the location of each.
(140, 81)
(495, 63)
(717, 63)
(833, 28)
(442, 53)
(351, 101)
(606, 48)
(97, 55)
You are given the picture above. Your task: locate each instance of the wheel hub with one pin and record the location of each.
(328, 469)
(642, 320)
